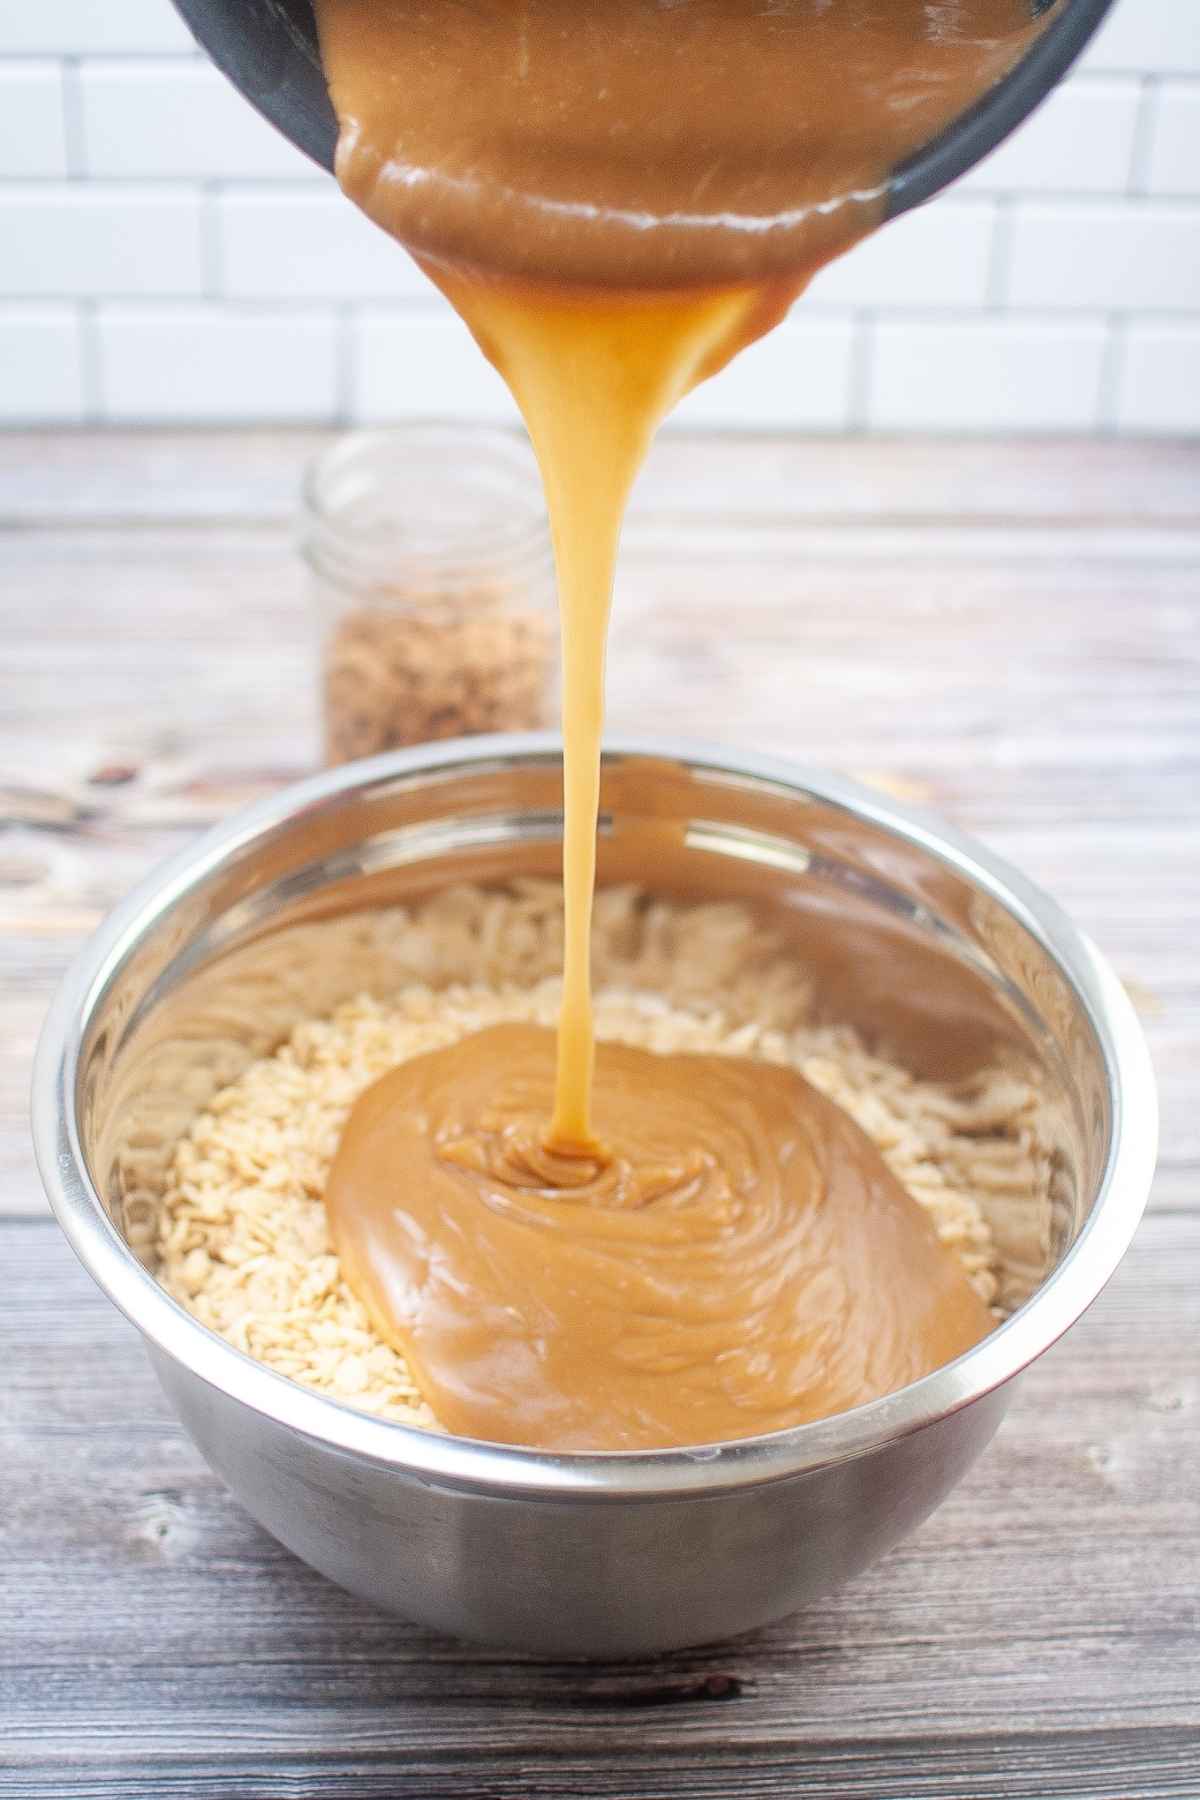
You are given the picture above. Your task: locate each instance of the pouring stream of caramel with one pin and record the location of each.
(593, 375)
(617, 198)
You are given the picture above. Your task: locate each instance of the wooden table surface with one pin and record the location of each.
(1007, 633)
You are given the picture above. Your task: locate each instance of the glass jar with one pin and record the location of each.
(434, 585)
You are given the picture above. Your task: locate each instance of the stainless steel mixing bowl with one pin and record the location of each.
(274, 916)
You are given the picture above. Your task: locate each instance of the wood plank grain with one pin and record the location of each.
(1044, 1616)
(1047, 700)
(232, 475)
(1009, 634)
(1118, 1765)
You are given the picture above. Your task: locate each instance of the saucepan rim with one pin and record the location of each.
(600, 1475)
(289, 88)
(975, 133)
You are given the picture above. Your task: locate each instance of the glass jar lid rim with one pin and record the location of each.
(513, 527)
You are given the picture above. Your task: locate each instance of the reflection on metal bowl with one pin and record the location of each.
(911, 931)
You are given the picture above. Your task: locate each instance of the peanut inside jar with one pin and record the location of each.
(433, 581)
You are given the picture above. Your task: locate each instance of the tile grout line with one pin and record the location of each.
(86, 323)
(862, 362)
(1138, 184)
(24, 57)
(212, 256)
(1000, 256)
(91, 362)
(74, 134)
(345, 354)
(1111, 370)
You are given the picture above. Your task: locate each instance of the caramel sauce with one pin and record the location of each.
(593, 375)
(616, 199)
(738, 1259)
(641, 144)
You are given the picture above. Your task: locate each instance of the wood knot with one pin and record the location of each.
(113, 775)
(161, 1525)
(700, 1690)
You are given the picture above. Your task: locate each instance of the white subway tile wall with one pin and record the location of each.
(33, 131)
(800, 377)
(91, 28)
(88, 239)
(1125, 255)
(1148, 37)
(935, 256)
(1079, 142)
(420, 363)
(213, 364)
(154, 120)
(992, 374)
(308, 243)
(1174, 142)
(166, 256)
(41, 356)
(1158, 388)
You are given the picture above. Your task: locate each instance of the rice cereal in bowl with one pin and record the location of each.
(201, 1065)
(243, 1239)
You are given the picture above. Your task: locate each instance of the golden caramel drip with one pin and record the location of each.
(738, 1261)
(616, 199)
(593, 375)
(555, 168)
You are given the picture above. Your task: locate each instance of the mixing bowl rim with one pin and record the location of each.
(467, 1463)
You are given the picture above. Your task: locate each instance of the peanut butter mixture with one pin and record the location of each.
(734, 1259)
(617, 198)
